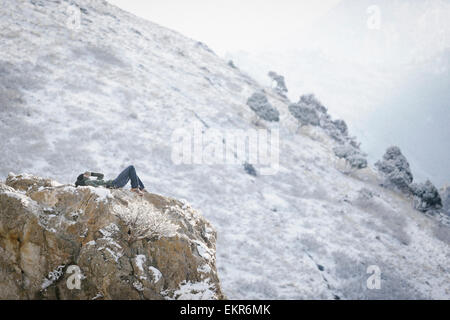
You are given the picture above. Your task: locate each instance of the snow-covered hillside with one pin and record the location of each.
(390, 82)
(112, 92)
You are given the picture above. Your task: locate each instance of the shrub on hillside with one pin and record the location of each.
(310, 111)
(426, 196)
(312, 101)
(341, 126)
(337, 130)
(280, 84)
(354, 157)
(260, 105)
(304, 114)
(395, 168)
(250, 169)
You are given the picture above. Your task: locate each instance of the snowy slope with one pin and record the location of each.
(112, 92)
(390, 84)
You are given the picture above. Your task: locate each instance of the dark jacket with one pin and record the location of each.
(83, 181)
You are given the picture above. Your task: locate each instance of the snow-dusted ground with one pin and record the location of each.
(112, 93)
(389, 84)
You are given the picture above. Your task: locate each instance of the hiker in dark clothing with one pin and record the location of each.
(122, 179)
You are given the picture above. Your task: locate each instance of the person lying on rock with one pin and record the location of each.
(129, 174)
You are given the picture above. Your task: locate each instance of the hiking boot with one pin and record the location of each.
(139, 192)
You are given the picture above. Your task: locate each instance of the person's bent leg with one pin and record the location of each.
(133, 177)
(141, 185)
(123, 178)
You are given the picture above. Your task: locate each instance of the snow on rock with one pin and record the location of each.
(157, 275)
(202, 290)
(204, 251)
(40, 245)
(102, 194)
(138, 286)
(204, 268)
(140, 260)
(52, 277)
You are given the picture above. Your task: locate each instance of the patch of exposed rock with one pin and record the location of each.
(112, 244)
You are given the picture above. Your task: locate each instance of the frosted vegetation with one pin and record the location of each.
(427, 196)
(258, 102)
(390, 85)
(112, 93)
(280, 85)
(250, 169)
(395, 167)
(310, 111)
(145, 222)
(351, 155)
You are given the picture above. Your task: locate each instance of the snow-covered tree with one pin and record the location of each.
(310, 111)
(250, 169)
(337, 130)
(395, 168)
(312, 101)
(304, 114)
(261, 106)
(280, 87)
(426, 196)
(355, 158)
(341, 126)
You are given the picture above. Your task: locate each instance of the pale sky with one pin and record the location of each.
(233, 25)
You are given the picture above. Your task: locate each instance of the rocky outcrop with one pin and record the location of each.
(62, 242)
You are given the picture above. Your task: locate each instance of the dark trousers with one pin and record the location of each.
(127, 175)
